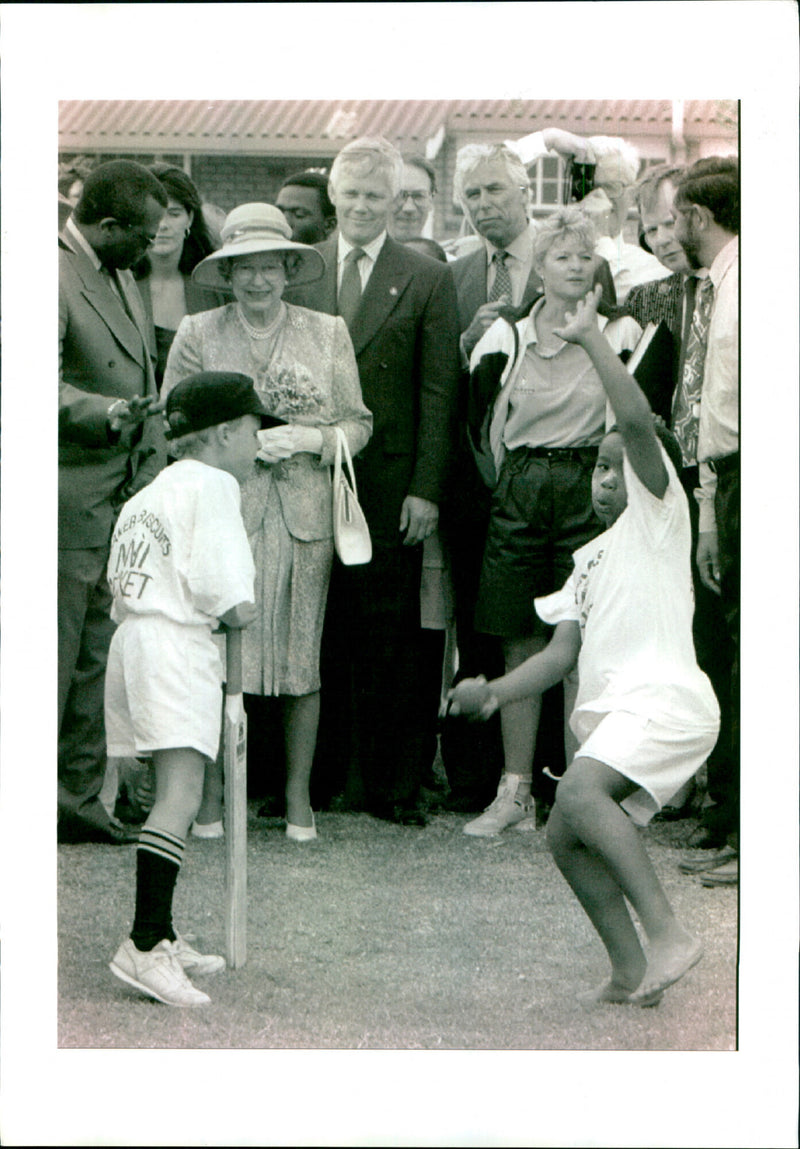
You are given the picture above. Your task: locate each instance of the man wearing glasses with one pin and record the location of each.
(107, 451)
(415, 202)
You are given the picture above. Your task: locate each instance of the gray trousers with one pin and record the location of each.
(84, 635)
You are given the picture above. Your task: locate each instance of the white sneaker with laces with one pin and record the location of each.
(194, 962)
(157, 973)
(505, 810)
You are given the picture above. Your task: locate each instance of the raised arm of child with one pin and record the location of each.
(477, 698)
(634, 419)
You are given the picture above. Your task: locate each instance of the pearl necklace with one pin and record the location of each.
(261, 333)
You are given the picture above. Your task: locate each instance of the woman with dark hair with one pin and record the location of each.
(165, 274)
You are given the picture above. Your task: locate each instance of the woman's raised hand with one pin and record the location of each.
(583, 320)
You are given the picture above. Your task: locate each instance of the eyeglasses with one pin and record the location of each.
(419, 197)
(247, 272)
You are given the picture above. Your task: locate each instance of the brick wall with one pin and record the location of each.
(230, 180)
(226, 180)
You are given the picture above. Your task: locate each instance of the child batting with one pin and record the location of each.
(180, 562)
(646, 717)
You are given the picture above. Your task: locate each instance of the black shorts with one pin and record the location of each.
(541, 513)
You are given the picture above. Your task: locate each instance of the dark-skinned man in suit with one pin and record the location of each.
(108, 449)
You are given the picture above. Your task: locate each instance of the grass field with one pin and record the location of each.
(378, 936)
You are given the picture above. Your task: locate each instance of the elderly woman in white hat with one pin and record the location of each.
(305, 373)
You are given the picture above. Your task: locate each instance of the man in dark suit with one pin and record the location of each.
(400, 308)
(107, 450)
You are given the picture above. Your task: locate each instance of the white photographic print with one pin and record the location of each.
(393, 993)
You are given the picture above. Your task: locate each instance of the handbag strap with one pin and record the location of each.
(343, 452)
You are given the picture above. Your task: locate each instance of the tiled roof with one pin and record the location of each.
(322, 126)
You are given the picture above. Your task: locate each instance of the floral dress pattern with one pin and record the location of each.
(305, 372)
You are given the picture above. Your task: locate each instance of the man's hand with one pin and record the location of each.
(482, 320)
(278, 443)
(129, 412)
(137, 782)
(567, 144)
(418, 518)
(239, 616)
(708, 560)
(582, 322)
(472, 698)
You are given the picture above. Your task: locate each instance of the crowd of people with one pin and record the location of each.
(554, 566)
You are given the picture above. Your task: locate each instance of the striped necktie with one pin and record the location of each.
(686, 404)
(502, 278)
(350, 287)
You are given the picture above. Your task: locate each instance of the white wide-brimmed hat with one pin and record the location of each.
(257, 227)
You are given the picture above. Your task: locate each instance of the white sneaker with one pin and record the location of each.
(506, 810)
(302, 833)
(208, 830)
(156, 972)
(194, 962)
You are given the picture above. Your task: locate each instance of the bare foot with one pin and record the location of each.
(666, 964)
(610, 993)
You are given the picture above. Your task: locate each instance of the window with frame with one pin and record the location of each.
(547, 182)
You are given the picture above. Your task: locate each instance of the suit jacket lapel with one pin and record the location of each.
(321, 296)
(472, 294)
(389, 279)
(143, 323)
(100, 295)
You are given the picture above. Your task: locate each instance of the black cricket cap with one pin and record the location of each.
(211, 397)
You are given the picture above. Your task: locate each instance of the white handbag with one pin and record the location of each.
(350, 531)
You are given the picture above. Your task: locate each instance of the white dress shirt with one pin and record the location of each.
(365, 265)
(630, 264)
(718, 433)
(518, 264)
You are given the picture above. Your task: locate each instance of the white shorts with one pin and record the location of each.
(659, 759)
(163, 688)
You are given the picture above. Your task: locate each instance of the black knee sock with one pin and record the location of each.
(158, 860)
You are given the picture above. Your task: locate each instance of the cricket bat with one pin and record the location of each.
(235, 743)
